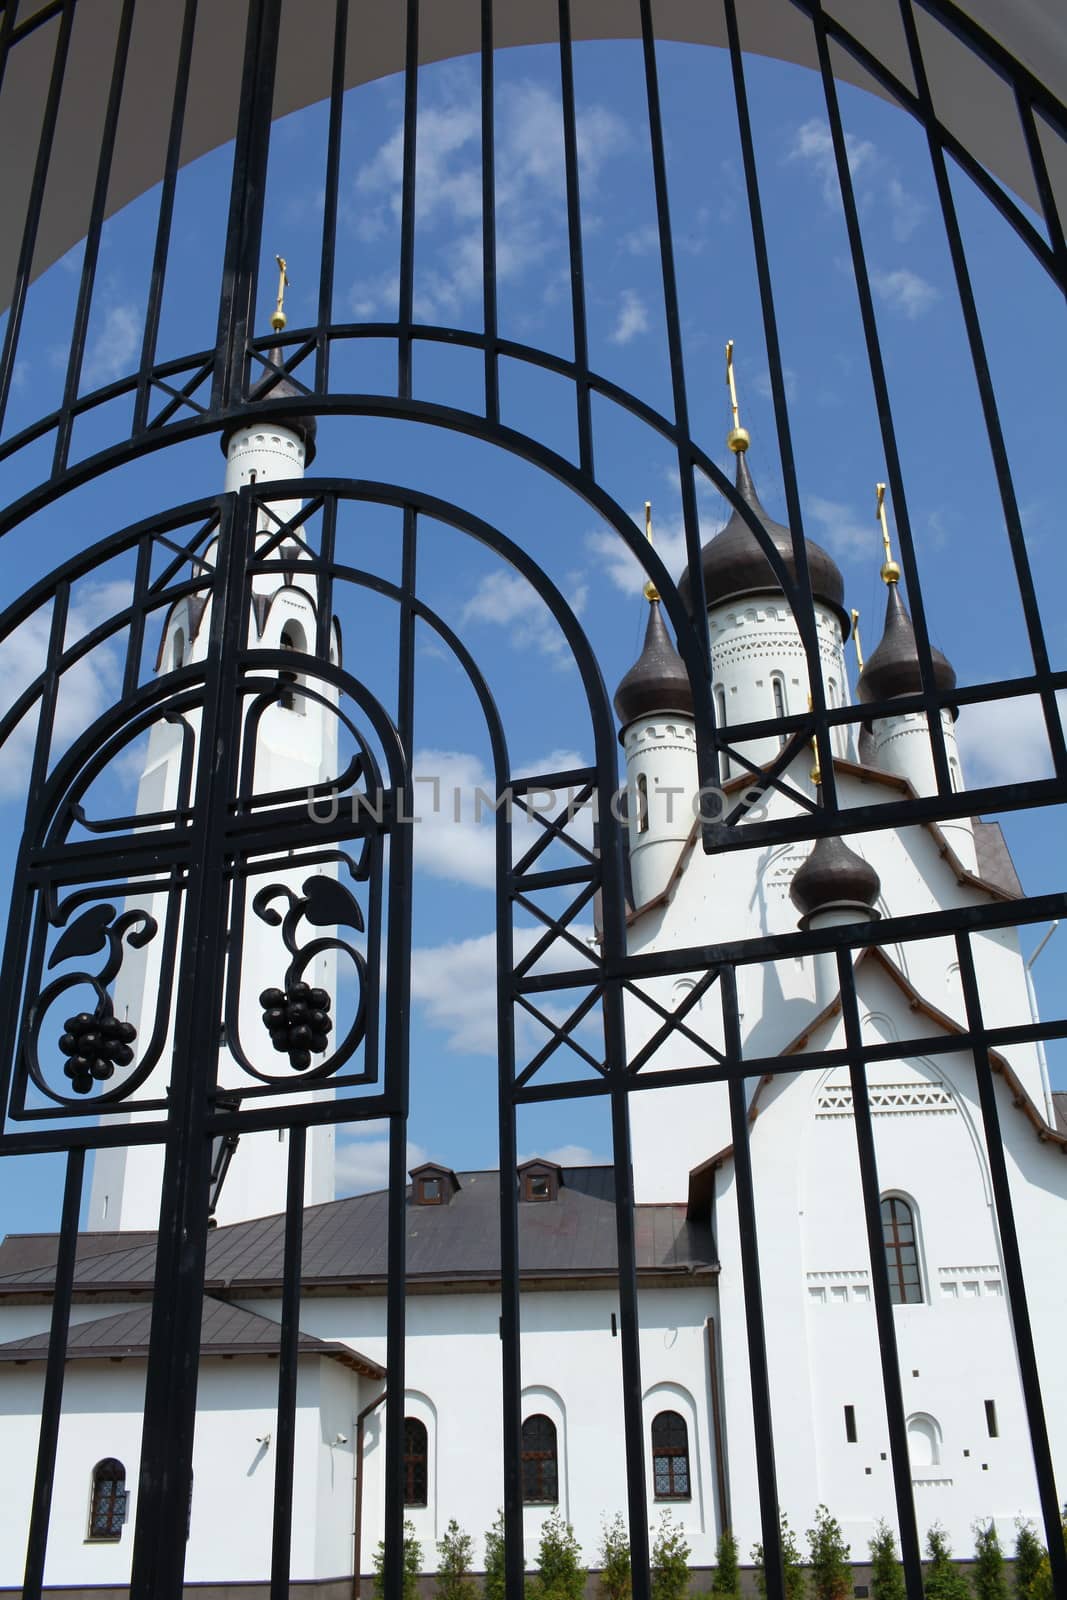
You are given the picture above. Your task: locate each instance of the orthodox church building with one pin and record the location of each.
(966, 1423)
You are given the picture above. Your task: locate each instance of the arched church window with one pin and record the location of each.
(107, 1505)
(416, 1462)
(720, 718)
(178, 653)
(540, 1461)
(670, 1457)
(778, 690)
(901, 1251)
(642, 803)
(924, 1441)
(292, 638)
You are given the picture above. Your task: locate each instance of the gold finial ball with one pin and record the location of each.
(278, 321)
(890, 572)
(650, 591)
(738, 440)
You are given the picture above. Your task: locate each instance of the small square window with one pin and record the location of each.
(431, 1191)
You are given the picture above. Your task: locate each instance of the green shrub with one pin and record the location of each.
(670, 1560)
(495, 1584)
(727, 1580)
(794, 1580)
(455, 1552)
(560, 1574)
(1041, 1585)
(831, 1568)
(1029, 1554)
(614, 1559)
(988, 1575)
(412, 1566)
(887, 1575)
(943, 1580)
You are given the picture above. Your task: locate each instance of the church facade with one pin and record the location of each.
(967, 1426)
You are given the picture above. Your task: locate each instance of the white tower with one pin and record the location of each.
(832, 887)
(296, 748)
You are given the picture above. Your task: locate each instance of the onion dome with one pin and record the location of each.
(834, 878)
(657, 681)
(734, 564)
(893, 669)
(273, 387)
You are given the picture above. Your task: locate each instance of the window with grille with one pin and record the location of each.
(416, 1462)
(670, 1457)
(107, 1509)
(540, 1461)
(901, 1252)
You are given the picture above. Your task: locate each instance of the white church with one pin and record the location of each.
(966, 1422)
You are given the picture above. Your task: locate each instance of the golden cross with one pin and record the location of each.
(737, 438)
(278, 320)
(890, 570)
(650, 591)
(856, 638)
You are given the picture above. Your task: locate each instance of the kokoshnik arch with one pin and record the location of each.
(240, 594)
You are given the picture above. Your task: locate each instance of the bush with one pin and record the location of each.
(727, 1580)
(614, 1559)
(987, 1575)
(887, 1575)
(793, 1577)
(1041, 1585)
(455, 1552)
(670, 1560)
(560, 1574)
(412, 1565)
(495, 1583)
(1029, 1554)
(831, 1569)
(943, 1580)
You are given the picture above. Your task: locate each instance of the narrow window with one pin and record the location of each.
(416, 1462)
(178, 653)
(850, 1424)
(901, 1252)
(292, 639)
(107, 1506)
(778, 689)
(720, 717)
(540, 1463)
(991, 1419)
(670, 1457)
(642, 803)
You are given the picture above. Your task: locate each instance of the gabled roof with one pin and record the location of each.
(225, 1330)
(571, 1242)
(701, 1177)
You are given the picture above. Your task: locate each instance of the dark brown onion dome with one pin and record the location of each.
(893, 668)
(271, 387)
(657, 681)
(734, 564)
(834, 878)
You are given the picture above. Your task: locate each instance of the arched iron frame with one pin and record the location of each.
(196, 393)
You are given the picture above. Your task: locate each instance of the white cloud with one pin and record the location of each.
(632, 318)
(568, 1155)
(841, 529)
(762, 384)
(905, 211)
(904, 291)
(812, 146)
(363, 1158)
(508, 600)
(1006, 741)
(111, 353)
(455, 987)
(616, 562)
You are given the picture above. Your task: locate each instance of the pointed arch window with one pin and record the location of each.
(670, 1457)
(292, 638)
(642, 803)
(108, 1500)
(178, 653)
(901, 1240)
(540, 1461)
(778, 691)
(416, 1462)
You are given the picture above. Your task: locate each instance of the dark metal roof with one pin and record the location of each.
(893, 668)
(1059, 1110)
(735, 565)
(571, 1237)
(657, 681)
(271, 387)
(225, 1330)
(833, 875)
(994, 858)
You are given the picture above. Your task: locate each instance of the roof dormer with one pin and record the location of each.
(432, 1185)
(539, 1180)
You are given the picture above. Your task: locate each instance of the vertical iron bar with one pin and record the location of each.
(1005, 484)
(405, 308)
(324, 580)
(165, 219)
(288, 1367)
(329, 204)
(574, 237)
(489, 307)
(91, 252)
(1018, 1308)
(52, 1396)
(629, 1310)
(135, 642)
(806, 621)
(892, 1389)
(17, 307)
(755, 1330)
(894, 472)
(510, 1305)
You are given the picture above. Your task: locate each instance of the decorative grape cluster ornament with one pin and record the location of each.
(95, 1043)
(298, 1021)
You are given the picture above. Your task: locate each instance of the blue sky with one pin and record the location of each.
(962, 548)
